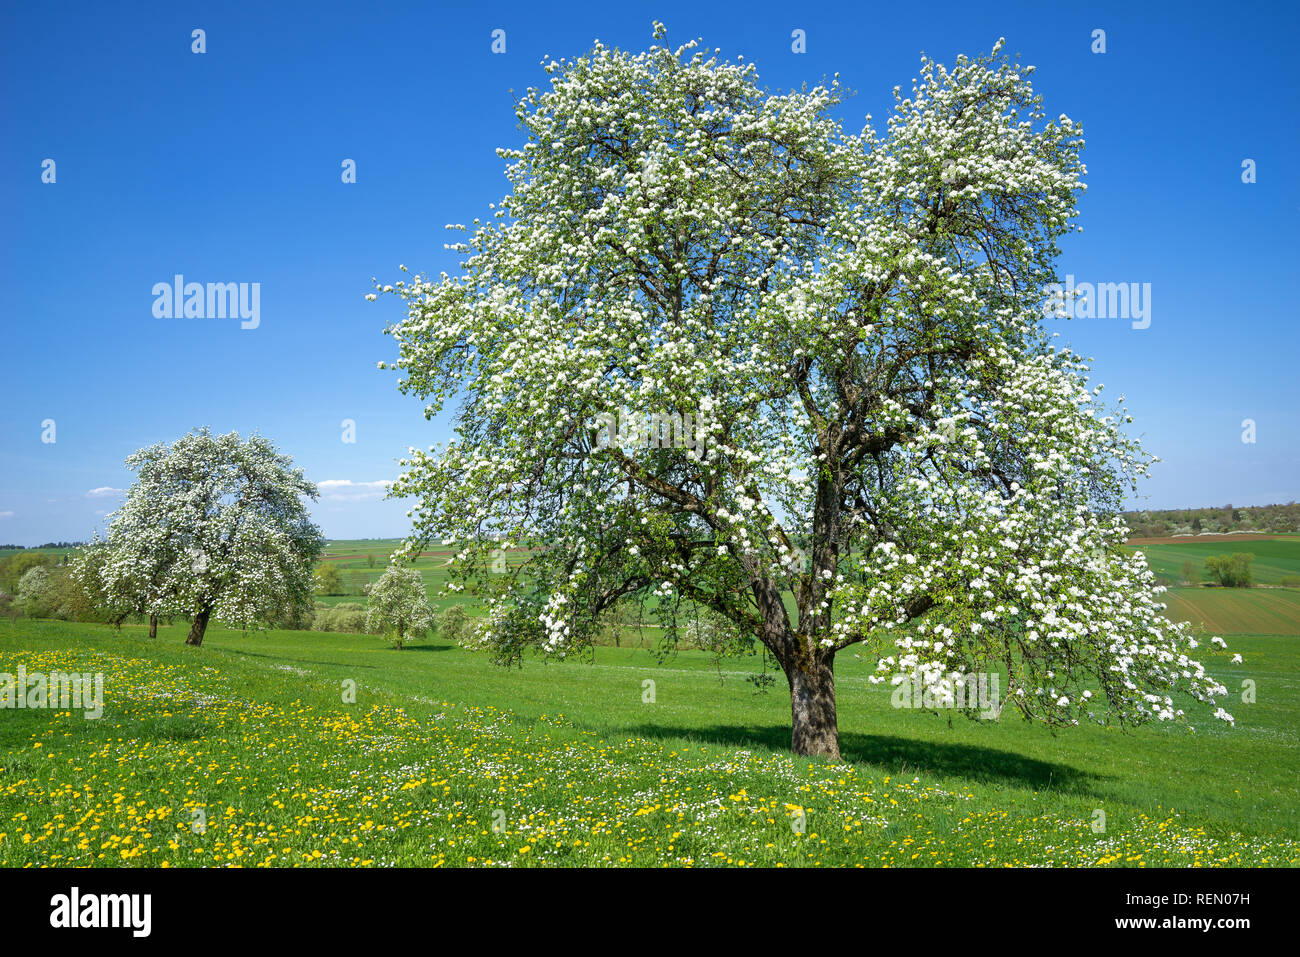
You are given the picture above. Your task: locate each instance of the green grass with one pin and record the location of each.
(1275, 559)
(1255, 611)
(577, 768)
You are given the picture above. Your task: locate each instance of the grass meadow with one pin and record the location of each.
(447, 758)
(1277, 558)
(288, 748)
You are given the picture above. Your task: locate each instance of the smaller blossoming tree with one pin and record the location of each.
(32, 589)
(118, 596)
(399, 605)
(214, 526)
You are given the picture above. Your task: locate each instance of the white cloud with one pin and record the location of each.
(346, 490)
(104, 491)
(8, 513)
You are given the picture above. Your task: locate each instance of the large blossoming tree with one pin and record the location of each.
(213, 527)
(893, 455)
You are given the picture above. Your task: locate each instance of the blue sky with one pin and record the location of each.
(225, 167)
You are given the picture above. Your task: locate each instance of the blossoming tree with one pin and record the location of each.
(214, 526)
(399, 605)
(116, 595)
(895, 455)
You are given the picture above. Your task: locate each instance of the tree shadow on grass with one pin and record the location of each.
(244, 653)
(903, 755)
(241, 653)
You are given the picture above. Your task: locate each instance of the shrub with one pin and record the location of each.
(71, 598)
(345, 617)
(296, 618)
(49, 591)
(329, 580)
(1231, 571)
(14, 567)
(454, 624)
(33, 588)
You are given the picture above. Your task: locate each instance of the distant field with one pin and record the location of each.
(47, 551)
(1253, 611)
(1243, 611)
(1223, 611)
(1215, 537)
(355, 558)
(1276, 557)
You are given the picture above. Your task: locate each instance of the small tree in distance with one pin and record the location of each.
(1231, 571)
(399, 605)
(32, 589)
(15, 566)
(329, 580)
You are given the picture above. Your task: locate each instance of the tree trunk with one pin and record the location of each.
(153, 626)
(814, 731)
(199, 627)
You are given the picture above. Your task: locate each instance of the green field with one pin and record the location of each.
(1267, 609)
(1248, 611)
(445, 758)
(362, 561)
(1255, 611)
(1275, 559)
(352, 558)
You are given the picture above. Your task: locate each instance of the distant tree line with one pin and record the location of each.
(1269, 519)
(23, 548)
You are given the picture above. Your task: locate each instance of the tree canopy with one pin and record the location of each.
(399, 605)
(213, 526)
(894, 453)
